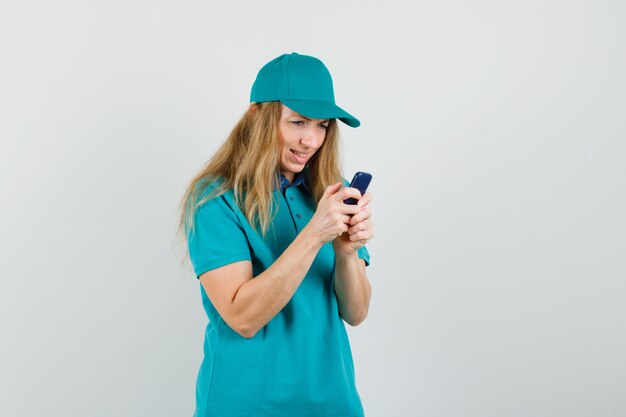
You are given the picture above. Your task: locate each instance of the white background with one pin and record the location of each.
(495, 132)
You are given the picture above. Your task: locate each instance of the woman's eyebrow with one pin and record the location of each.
(308, 118)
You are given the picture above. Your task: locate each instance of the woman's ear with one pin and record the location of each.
(252, 107)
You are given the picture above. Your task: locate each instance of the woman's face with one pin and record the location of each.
(300, 137)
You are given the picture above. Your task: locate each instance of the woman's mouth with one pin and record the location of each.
(299, 157)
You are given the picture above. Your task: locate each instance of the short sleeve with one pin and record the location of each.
(364, 254)
(217, 238)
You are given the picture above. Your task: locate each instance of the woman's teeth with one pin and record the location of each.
(301, 155)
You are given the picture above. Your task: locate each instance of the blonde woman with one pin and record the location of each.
(280, 258)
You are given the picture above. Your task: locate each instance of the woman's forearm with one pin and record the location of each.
(264, 296)
(352, 287)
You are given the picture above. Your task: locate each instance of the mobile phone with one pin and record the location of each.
(360, 181)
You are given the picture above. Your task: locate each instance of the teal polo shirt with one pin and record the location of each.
(299, 364)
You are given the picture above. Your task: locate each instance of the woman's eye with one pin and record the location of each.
(324, 126)
(297, 122)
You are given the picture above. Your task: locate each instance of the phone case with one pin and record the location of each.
(360, 181)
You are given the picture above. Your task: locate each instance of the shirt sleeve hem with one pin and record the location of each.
(202, 268)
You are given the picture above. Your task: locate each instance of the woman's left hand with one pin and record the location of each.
(360, 229)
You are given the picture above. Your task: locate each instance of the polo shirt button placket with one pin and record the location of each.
(298, 215)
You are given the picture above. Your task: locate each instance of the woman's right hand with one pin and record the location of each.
(331, 217)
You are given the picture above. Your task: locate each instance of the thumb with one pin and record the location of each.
(331, 189)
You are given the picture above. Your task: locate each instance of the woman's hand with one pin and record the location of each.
(331, 218)
(360, 229)
(348, 226)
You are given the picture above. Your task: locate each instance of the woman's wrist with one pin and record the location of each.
(346, 255)
(310, 237)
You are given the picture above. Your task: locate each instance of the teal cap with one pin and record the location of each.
(302, 83)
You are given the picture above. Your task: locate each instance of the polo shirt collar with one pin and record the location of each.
(299, 179)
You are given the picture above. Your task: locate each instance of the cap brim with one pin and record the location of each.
(318, 109)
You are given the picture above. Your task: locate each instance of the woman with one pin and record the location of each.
(281, 260)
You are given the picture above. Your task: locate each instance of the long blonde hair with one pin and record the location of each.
(248, 163)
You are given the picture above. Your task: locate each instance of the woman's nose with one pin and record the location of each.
(311, 137)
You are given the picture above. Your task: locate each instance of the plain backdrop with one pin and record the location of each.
(496, 135)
